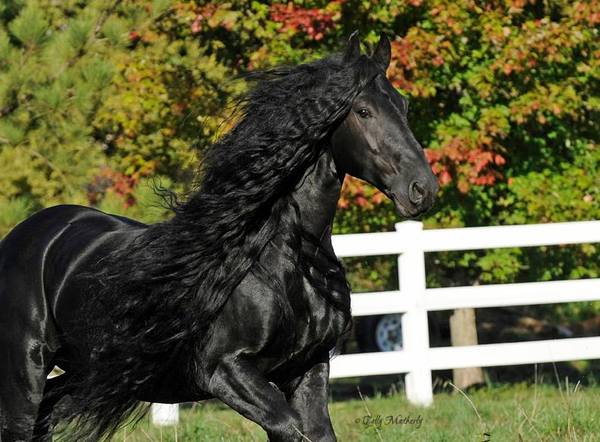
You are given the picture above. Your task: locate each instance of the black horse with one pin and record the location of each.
(239, 296)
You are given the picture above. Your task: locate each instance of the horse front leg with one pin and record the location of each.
(309, 400)
(238, 383)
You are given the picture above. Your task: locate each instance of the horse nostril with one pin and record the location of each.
(416, 192)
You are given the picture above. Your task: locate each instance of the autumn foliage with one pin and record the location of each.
(314, 22)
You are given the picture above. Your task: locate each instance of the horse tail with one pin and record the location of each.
(97, 416)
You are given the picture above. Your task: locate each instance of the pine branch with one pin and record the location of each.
(50, 164)
(104, 16)
(99, 23)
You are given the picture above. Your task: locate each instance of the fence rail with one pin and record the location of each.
(415, 300)
(485, 355)
(410, 242)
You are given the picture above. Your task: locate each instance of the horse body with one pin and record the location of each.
(95, 293)
(291, 328)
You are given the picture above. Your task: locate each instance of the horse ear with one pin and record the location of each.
(383, 52)
(353, 48)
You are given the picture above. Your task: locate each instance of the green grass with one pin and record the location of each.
(511, 413)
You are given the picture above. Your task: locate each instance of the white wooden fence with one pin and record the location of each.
(410, 242)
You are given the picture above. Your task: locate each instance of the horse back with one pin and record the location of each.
(39, 254)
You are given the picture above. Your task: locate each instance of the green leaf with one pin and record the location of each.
(13, 212)
(30, 26)
(79, 33)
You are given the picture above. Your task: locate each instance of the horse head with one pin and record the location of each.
(374, 141)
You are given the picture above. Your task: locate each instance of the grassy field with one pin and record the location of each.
(512, 413)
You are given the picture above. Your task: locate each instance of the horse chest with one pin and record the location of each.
(317, 325)
(309, 321)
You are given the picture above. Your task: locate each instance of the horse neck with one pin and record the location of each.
(317, 196)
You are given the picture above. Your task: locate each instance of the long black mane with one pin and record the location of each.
(159, 294)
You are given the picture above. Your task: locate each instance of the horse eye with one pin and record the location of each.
(364, 113)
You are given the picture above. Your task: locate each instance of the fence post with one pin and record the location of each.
(415, 330)
(165, 414)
